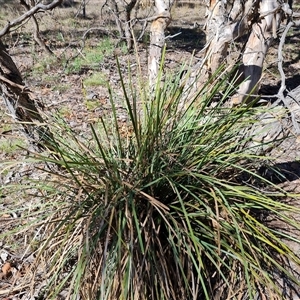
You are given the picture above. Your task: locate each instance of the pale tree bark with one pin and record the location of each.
(157, 37)
(226, 21)
(262, 34)
(229, 20)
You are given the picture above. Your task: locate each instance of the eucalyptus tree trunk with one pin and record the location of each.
(20, 103)
(262, 34)
(157, 37)
(228, 20)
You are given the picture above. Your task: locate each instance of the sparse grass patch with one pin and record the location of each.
(96, 79)
(62, 87)
(91, 104)
(91, 57)
(5, 126)
(51, 78)
(44, 64)
(10, 145)
(64, 112)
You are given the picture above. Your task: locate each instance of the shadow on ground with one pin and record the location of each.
(270, 89)
(188, 39)
(281, 172)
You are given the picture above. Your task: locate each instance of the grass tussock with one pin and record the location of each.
(169, 208)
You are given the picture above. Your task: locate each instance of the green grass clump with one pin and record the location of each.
(165, 209)
(91, 104)
(45, 64)
(11, 145)
(95, 79)
(92, 56)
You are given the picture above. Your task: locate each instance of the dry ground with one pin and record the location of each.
(74, 86)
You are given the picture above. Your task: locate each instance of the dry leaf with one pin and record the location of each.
(6, 269)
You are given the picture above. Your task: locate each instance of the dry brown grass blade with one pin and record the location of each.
(14, 289)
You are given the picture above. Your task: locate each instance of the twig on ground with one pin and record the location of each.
(109, 33)
(15, 289)
(280, 60)
(172, 36)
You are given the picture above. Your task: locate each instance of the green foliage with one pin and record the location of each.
(163, 210)
(64, 112)
(11, 145)
(91, 104)
(44, 64)
(95, 79)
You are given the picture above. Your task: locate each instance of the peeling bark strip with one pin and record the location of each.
(21, 106)
(226, 21)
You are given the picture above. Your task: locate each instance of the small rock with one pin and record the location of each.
(4, 256)
(92, 96)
